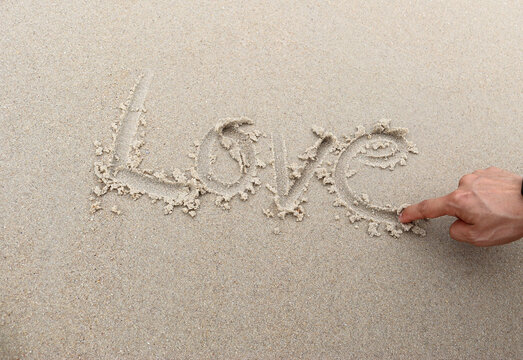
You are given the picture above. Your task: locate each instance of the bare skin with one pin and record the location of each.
(488, 204)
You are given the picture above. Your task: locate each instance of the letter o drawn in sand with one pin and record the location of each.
(241, 149)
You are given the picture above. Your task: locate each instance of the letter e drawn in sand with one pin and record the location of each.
(382, 147)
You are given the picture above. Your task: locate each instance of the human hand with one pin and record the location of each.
(488, 204)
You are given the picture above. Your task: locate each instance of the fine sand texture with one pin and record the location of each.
(222, 179)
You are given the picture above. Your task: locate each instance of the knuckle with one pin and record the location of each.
(467, 179)
(478, 237)
(472, 236)
(457, 235)
(453, 232)
(461, 197)
(454, 196)
(466, 237)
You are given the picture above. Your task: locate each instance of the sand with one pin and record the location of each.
(221, 180)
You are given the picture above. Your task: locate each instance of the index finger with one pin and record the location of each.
(428, 209)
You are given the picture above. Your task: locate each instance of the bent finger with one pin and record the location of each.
(461, 231)
(427, 209)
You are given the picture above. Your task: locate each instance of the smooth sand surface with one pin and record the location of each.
(236, 284)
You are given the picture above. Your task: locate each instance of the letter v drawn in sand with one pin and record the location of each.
(288, 196)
